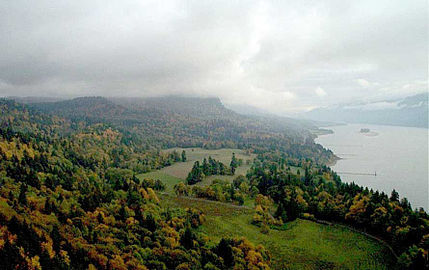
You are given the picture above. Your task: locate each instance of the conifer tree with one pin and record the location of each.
(22, 199)
(234, 164)
(183, 156)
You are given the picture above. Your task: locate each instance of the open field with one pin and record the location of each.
(306, 244)
(167, 179)
(178, 172)
(181, 169)
(302, 244)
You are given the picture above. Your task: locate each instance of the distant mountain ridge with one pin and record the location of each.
(248, 110)
(82, 106)
(205, 108)
(138, 109)
(411, 111)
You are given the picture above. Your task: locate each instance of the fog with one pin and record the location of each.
(280, 56)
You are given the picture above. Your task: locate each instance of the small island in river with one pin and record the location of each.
(368, 132)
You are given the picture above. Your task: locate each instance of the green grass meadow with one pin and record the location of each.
(167, 179)
(302, 244)
(305, 244)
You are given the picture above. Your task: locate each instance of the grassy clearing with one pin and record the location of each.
(302, 245)
(178, 172)
(305, 244)
(209, 208)
(167, 179)
(181, 169)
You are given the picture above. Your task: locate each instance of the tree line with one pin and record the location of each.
(209, 167)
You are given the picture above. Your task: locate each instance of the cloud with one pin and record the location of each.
(320, 92)
(269, 54)
(363, 82)
(375, 106)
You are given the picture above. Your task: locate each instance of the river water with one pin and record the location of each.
(397, 155)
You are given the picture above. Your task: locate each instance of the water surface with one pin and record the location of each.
(397, 155)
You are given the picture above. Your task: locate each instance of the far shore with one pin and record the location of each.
(370, 134)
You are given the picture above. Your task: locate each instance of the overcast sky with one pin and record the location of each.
(283, 56)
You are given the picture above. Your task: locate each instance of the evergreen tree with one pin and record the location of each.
(394, 197)
(222, 168)
(206, 167)
(187, 239)
(196, 175)
(307, 176)
(225, 251)
(234, 164)
(214, 166)
(183, 156)
(281, 212)
(22, 199)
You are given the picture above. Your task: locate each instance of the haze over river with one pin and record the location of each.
(398, 156)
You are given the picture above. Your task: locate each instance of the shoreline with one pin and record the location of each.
(332, 163)
(322, 132)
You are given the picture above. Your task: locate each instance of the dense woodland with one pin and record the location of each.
(70, 198)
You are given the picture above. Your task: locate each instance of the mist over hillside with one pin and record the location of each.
(207, 108)
(411, 111)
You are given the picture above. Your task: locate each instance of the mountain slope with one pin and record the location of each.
(93, 107)
(205, 108)
(213, 109)
(190, 122)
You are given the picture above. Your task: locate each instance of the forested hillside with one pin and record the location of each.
(71, 197)
(171, 122)
(70, 200)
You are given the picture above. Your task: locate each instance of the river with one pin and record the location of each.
(386, 158)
